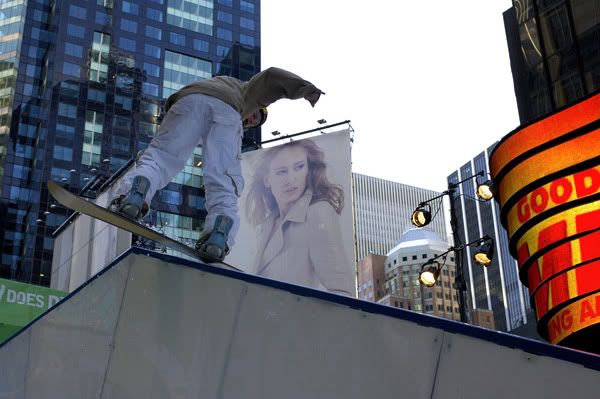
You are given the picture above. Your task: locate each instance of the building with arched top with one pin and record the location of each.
(393, 279)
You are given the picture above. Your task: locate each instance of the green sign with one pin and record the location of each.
(20, 303)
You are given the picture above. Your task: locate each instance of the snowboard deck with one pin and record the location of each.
(81, 205)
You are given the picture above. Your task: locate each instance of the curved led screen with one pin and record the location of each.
(548, 179)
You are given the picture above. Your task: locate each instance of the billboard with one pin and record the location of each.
(296, 216)
(548, 178)
(20, 303)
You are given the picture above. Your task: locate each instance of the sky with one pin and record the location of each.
(426, 85)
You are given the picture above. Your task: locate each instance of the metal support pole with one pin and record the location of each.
(459, 281)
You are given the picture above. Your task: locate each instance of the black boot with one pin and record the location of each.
(133, 205)
(212, 246)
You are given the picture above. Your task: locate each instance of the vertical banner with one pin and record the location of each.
(296, 214)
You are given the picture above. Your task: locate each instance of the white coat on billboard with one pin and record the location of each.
(296, 212)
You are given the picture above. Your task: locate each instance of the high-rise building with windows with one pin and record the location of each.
(382, 211)
(82, 88)
(497, 287)
(554, 49)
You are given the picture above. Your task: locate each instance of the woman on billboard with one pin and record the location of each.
(297, 211)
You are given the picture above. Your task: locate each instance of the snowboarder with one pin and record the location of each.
(212, 113)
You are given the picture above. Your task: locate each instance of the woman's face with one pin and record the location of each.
(287, 176)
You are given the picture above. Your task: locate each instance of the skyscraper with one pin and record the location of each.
(382, 211)
(497, 287)
(554, 53)
(82, 89)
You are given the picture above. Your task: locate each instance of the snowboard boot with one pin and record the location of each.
(212, 246)
(133, 205)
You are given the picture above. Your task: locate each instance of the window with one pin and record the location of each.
(228, 3)
(69, 89)
(67, 110)
(246, 23)
(148, 129)
(99, 57)
(103, 19)
(414, 257)
(170, 197)
(177, 39)
(121, 122)
(246, 6)
(194, 15)
(424, 256)
(120, 143)
(128, 26)
(404, 259)
(182, 69)
(92, 138)
(154, 15)
(65, 131)
(71, 69)
(151, 69)
(127, 44)
(73, 50)
(124, 82)
(105, 3)
(130, 8)
(225, 17)
(153, 32)
(152, 51)
(247, 40)
(77, 12)
(123, 102)
(96, 95)
(148, 108)
(75, 30)
(224, 34)
(150, 89)
(201, 45)
(63, 153)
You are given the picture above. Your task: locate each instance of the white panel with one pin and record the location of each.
(288, 346)
(104, 245)
(13, 366)
(173, 334)
(71, 344)
(473, 368)
(61, 259)
(82, 239)
(179, 332)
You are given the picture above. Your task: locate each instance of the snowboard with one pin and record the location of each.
(81, 205)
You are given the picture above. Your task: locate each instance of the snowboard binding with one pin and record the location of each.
(212, 246)
(133, 204)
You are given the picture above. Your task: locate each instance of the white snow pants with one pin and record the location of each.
(197, 119)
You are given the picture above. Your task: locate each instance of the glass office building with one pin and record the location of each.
(496, 287)
(82, 88)
(554, 49)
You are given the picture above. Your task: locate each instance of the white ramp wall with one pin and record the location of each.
(152, 326)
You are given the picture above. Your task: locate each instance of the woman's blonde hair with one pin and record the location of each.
(260, 202)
